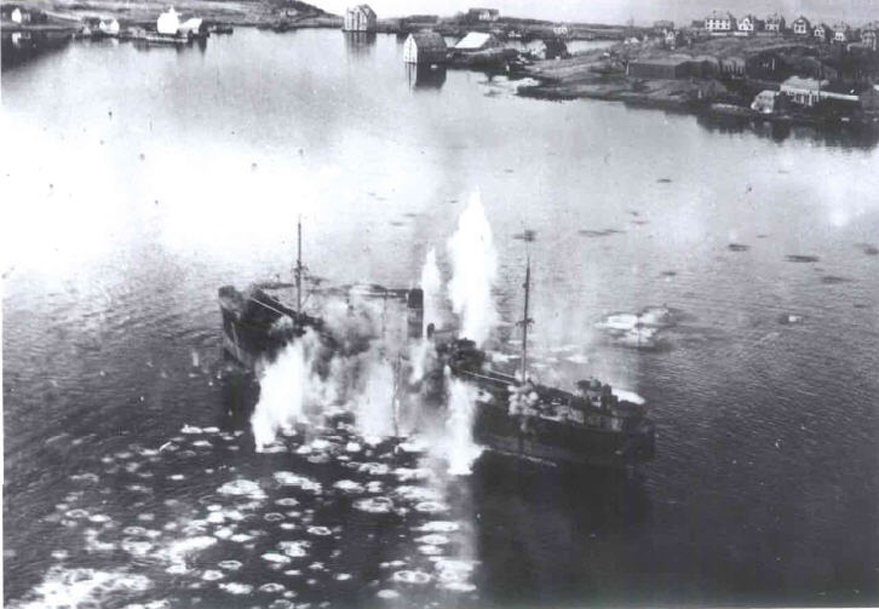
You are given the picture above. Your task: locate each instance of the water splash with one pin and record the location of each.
(281, 394)
(474, 269)
(460, 449)
(431, 283)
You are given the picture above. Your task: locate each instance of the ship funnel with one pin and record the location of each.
(415, 305)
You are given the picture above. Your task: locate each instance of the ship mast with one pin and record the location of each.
(299, 267)
(526, 321)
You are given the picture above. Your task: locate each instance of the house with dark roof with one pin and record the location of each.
(775, 23)
(801, 26)
(425, 47)
(720, 23)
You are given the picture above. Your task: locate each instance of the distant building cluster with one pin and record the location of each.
(726, 24)
(22, 15)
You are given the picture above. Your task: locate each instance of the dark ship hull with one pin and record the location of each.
(544, 424)
(256, 325)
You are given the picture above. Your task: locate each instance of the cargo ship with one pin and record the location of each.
(513, 415)
(518, 417)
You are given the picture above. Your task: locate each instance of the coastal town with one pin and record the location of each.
(783, 69)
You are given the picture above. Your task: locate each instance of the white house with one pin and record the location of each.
(841, 32)
(168, 22)
(720, 23)
(809, 91)
(764, 103)
(360, 18)
(750, 24)
(109, 27)
(191, 27)
(822, 32)
(425, 47)
(17, 16)
(801, 26)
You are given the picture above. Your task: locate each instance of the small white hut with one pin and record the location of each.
(110, 27)
(168, 22)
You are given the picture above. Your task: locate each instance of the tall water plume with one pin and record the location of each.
(431, 283)
(281, 392)
(474, 269)
(460, 449)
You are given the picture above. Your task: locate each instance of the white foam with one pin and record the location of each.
(375, 505)
(374, 469)
(431, 507)
(434, 539)
(99, 518)
(405, 474)
(223, 533)
(286, 502)
(414, 576)
(388, 594)
(62, 588)
(319, 531)
(294, 549)
(439, 526)
(417, 493)
(236, 588)
(273, 517)
(190, 429)
(272, 588)
(136, 548)
(274, 557)
(429, 550)
(242, 487)
(291, 479)
(348, 486)
(212, 575)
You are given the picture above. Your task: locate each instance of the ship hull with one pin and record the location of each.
(558, 442)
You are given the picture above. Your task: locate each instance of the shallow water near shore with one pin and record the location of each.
(685, 264)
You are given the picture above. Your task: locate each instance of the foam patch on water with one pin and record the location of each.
(374, 469)
(433, 539)
(294, 549)
(388, 594)
(272, 588)
(374, 505)
(431, 507)
(319, 531)
(236, 588)
(62, 588)
(416, 577)
(242, 488)
(274, 557)
(439, 526)
(406, 474)
(212, 575)
(291, 479)
(230, 565)
(417, 493)
(349, 486)
(286, 502)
